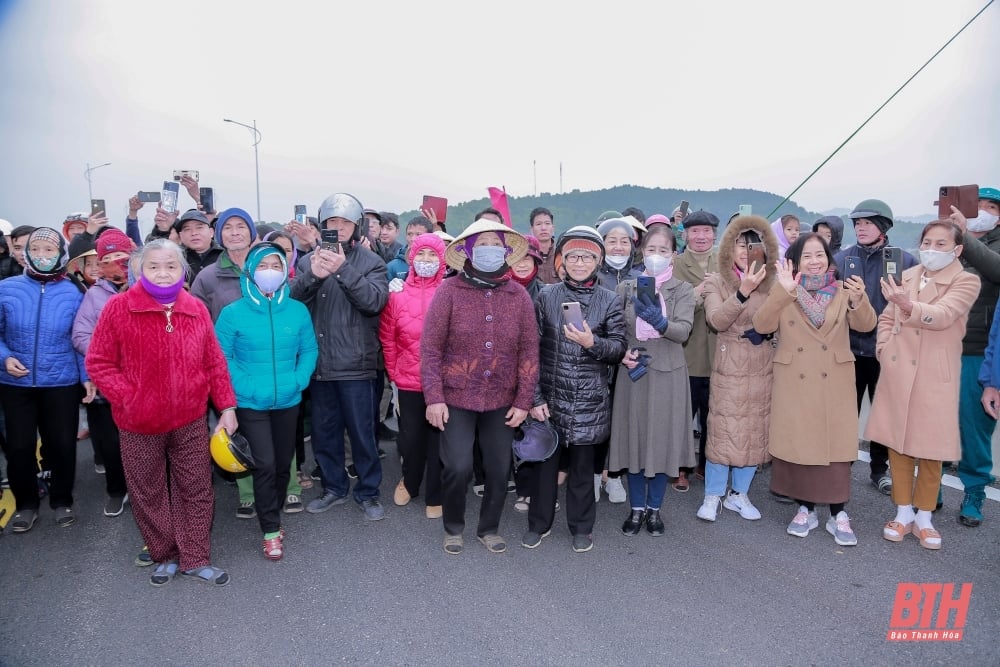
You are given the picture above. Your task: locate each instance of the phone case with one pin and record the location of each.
(963, 197)
(438, 204)
(852, 268)
(573, 315)
(756, 254)
(892, 263)
(300, 213)
(168, 196)
(646, 285)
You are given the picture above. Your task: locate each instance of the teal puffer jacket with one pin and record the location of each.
(269, 343)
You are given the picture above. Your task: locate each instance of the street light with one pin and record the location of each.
(256, 164)
(86, 174)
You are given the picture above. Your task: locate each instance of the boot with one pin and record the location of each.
(633, 524)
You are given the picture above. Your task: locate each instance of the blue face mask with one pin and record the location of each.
(268, 281)
(488, 258)
(45, 263)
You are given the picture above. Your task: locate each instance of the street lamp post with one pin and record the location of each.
(256, 164)
(86, 173)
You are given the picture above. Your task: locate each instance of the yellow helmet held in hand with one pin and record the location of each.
(231, 452)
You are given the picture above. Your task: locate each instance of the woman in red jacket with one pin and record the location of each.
(400, 328)
(155, 357)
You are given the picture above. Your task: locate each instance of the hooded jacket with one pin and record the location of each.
(739, 400)
(269, 344)
(836, 225)
(402, 321)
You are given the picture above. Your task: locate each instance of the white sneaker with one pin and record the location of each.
(615, 490)
(739, 502)
(597, 488)
(709, 509)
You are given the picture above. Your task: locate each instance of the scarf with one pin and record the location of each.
(524, 282)
(481, 280)
(643, 330)
(814, 294)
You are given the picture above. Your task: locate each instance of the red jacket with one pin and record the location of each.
(402, 321)
(155, 380)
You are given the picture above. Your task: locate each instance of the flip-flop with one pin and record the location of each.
(163, 574)
(925, 535)
(208, 574)
(894, 531)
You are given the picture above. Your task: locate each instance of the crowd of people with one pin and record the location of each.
(654, 350)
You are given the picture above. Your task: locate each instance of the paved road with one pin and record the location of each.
(350, 591)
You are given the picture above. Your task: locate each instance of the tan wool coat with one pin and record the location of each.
(700, 345)
(814, 409)
(915, 410)
(739, 402)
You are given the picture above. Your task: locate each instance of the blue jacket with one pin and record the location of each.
(870, 259)
(269, 344)
(398, 267)
(36, 323)
(989, 372)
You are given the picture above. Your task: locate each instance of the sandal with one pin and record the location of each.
(681, 483)
(23, 521)
(522, 504)
(274, 548)
(163, 573)
(305, 481)
(493, 543)
(208, 574)
(453, 544)
(925, 535)
(894, 531)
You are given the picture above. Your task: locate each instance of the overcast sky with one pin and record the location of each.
(394, 100)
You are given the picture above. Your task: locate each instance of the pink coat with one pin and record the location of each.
(915, 410)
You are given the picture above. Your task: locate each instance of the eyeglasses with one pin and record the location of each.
(584, 258)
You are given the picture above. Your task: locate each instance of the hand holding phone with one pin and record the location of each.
(892, 264)
(148, 197)
(330, 239)
(963, 197)
(756, 255)
(439, 205)
(646, 286)
(572, 315)
(97, 206)
(300, 214)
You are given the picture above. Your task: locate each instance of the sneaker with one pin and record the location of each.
(325, 502)
(597, 488)
(971, 514)
(615, 490)
(739, 502)
(100, 469)
(372, 508)
(274, 548)
(115, 505)
(803, 522)
(352, 472)
(709, 509)
(143, 559)
(246, 511)
(582, 543)
(532, 539)
(883, 483)
(840, 527)
(479, 489)
(64, 516)
(293, 504)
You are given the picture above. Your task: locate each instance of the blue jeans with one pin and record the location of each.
(717, 476)
(976, 428)
(335, 405)
(645, 491)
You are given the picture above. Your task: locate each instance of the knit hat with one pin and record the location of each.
(605, 228)
(233, 213)
(584, 245)
(658, 219)
(113, 240)
(51, 235)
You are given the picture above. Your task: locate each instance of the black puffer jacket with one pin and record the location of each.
(982, 257)
(345, 311)
(574, 382)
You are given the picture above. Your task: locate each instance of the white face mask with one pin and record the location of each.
(617, 262)
(935, 260)
(657, 264)
(426, 269)
(984, 223)
(268, 280)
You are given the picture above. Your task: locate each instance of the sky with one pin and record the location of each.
(394, 100)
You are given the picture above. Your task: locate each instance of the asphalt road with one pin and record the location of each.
(350, 591)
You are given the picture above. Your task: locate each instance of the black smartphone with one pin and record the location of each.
(300, 214)
(573, 315)
(684, 208)
(646, 285)
(852, 266)
(892, 264)
(148, 197)
(756, 256)
(330, 239)
(98, 206)
(207, 197)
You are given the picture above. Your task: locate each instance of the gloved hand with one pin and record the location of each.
(649, 310)
(641, 363)
(396, 285)
(755, 337)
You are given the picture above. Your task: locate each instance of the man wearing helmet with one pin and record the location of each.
(981, 256)
(872, 221)
(344, 285)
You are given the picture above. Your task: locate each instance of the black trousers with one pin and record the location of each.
(699, 404)
(104, 436)
(271, 434)
(419, 446)
(581, 509)
(866, 372)
(54, 414)
(495, 439)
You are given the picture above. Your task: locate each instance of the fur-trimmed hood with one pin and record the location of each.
(727, 245)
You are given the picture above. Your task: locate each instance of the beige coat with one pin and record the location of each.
(915, 410)
(700, 345)
(814, 409)
(739, 402)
